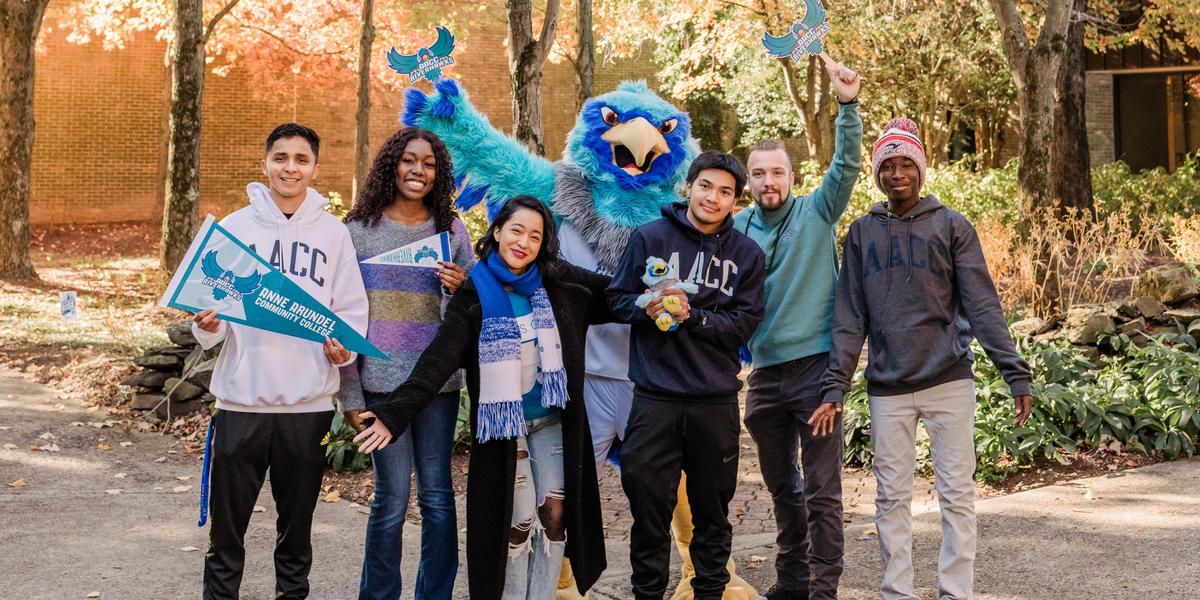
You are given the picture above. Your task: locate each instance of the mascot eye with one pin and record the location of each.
(610, 117)
(668, 126)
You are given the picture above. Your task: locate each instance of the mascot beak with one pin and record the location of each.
(635, 144)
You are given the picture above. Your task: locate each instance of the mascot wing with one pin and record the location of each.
(489, 163)
(781, 46)
(403, 63)
(209, 265)
(815, 15)
(444, 44)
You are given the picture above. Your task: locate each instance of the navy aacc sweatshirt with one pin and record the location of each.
(918, 289)
(698, 362)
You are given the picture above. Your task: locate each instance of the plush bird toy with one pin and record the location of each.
(627, 155)
(660, 276)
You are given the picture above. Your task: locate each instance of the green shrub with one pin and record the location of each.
(1146, 398)
(340, 450)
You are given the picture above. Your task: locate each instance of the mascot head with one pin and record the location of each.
(632, 138)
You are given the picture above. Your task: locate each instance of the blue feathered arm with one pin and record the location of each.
(494, 165)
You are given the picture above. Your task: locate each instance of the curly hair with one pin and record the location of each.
(379, 190)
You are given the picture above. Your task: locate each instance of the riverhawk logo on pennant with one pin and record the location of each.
(224, 282)
(428, 62)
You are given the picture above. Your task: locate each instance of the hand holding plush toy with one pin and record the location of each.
(661, 276)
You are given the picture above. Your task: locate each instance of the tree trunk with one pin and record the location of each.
(1071, 170)
(585, 60)
(1035, 71)
(362, 116)
(526, 55)
(813, 107)
(20, 21)
(182, 204)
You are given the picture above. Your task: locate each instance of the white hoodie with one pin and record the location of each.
(261, 371)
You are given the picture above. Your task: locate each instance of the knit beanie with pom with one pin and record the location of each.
(901, 137)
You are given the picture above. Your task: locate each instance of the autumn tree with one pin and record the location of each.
(527, 55)
(362, 114)
(1034, 64)
(308, 40)
(1071, 168)
(20, 21)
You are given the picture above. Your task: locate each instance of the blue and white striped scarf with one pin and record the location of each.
(500, 413)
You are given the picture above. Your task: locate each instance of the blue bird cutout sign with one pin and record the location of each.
(426, 63)
(804, 37)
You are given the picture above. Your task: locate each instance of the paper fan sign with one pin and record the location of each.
(421, 253)
(804, 37)
(426, 63)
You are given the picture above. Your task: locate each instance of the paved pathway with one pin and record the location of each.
(91, 519)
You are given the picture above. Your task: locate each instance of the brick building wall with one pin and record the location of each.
(100, 146)
(1101, 127)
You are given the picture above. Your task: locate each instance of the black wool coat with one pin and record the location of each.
(577, 299)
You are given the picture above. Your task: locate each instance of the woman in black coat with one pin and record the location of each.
(520, 239)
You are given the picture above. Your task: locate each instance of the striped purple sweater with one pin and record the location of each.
(405, 307)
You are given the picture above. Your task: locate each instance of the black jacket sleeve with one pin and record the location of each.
(850, 321)
(732, 327)
(598, 310)
(447, 353)
(982, 305)
(627, 285)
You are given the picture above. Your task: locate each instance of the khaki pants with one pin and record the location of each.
(949, 414)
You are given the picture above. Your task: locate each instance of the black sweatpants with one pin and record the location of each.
(808, 502)
(662, 439)
(245, 446)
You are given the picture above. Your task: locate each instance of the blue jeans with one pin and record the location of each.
(534, 565)
(425, 446)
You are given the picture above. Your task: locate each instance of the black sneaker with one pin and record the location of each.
(778, 592)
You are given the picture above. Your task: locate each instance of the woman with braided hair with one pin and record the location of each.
(407, 198)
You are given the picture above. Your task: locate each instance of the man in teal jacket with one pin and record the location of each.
(791, 350)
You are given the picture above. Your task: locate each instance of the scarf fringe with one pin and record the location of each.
(500, 420)
(554, 389)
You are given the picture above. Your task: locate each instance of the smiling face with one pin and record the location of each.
(771, 177)
(519, 239)
(710, 199)
(290, 167)
(416, 171)
(900, 179)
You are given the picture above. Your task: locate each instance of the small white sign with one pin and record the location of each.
(68, 306)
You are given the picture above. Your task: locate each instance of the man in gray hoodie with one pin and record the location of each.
(914, 282)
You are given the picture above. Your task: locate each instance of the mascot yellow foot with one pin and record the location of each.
(566, 584)
(681, 524)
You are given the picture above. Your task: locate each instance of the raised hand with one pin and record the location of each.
(845, 81)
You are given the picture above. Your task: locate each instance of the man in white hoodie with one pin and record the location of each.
(274, 392)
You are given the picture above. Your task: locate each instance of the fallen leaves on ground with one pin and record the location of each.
(333, 496)
(20, 483)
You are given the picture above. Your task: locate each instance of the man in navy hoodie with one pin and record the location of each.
(685, 406)
(914, 282)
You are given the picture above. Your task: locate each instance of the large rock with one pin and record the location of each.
(146, 379)
(178, 409)
(145, 401)
(1170, 284)
(1136, 331)
(1187, 315)
(180, 334)
(166, 363)
(1028, 327)
(1149, 307)
(201, 374)
(168, 351)
(180, 390)
(1084, 324)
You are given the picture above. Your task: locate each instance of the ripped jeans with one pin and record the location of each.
(538, 538)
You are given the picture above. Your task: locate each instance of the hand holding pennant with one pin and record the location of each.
(805, 37)
(219, 272)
